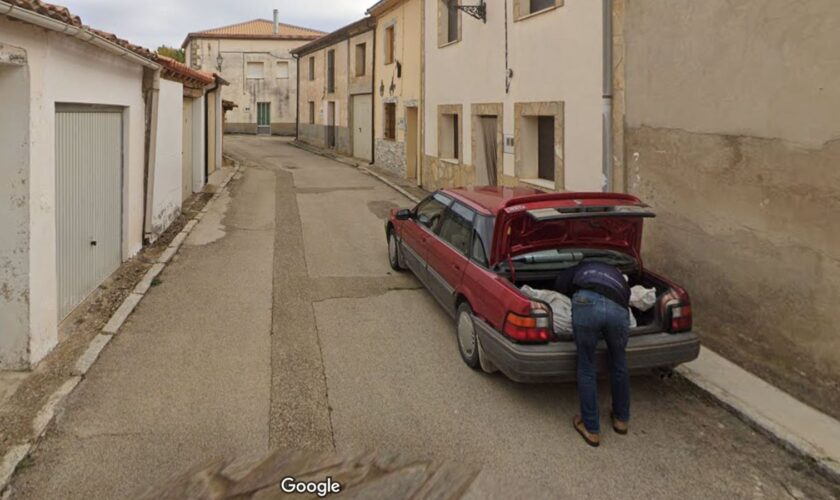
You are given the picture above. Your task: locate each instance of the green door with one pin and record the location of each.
(264, 118)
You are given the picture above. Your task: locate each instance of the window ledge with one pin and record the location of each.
(453, 161)
(537, 13)
(540, 183)
(449, 44)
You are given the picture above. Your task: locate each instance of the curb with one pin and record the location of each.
(796, 427)
(46, 414)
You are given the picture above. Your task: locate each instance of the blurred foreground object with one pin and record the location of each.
(364, 475)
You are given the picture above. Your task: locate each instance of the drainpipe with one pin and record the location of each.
(373, 101)
(607, 143)
(297, 103)
(82, 34)
(207, 91)
(151, 90)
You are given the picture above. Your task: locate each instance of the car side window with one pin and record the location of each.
(482, 238)
(456, 227)
(429, 212)
(478, 254)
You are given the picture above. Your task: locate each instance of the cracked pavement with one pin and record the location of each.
(281, 325)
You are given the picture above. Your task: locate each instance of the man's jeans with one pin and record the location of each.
(595, 317)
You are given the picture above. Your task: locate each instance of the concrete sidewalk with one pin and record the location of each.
(794, 424)
(188, 375)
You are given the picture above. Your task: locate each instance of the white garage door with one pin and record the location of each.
(362, 129)
(88, 200)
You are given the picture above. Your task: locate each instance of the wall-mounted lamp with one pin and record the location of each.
(219, 61)
(381, 88)
(477, 11)
(399, 69)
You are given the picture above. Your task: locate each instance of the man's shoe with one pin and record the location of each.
(618, 426)
(591, 439)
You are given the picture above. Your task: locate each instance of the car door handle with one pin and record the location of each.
(457, 267)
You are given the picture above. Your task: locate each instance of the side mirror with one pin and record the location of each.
(403, 214)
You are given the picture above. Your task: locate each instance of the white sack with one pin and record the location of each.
(642, 298)
(560, 305)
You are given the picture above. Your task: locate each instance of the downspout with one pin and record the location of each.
(207, 91)
(373, 99)
(607, 142)
(151, 90)
(82, 34)
(297, 103)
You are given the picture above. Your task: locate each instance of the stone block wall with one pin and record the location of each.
(391, 155)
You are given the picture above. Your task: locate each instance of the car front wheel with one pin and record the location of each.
(394, 252)
(467, 343)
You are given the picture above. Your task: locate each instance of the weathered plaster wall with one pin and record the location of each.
(187, 148)
(732, 134)
(14, 208)
(361, 84)
(66, 70)
(199, 145)
(245, 92)
(166, 201)
(555, 56)
(404, 90)
(346, 84)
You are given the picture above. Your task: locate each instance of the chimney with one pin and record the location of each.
(276, 21)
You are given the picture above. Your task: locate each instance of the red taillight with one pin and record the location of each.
(681, 318)
(536, 327)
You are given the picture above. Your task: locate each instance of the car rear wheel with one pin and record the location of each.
(394, 252)
(467, 342)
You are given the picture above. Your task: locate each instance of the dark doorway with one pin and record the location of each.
(546, 147)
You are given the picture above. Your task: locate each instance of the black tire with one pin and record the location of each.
(394, 257)
(465, 335)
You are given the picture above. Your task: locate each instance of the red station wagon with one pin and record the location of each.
(473, 248)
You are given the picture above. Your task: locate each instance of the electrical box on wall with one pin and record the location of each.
(508, 144)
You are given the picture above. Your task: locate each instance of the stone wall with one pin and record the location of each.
(732, 136)
(391, 155)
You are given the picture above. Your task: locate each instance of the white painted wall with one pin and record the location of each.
(14, 211)
(66, 70)
(166, 196)
(555, 56)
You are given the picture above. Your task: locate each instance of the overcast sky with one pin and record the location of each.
(151, 23)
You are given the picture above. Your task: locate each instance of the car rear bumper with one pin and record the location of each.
(557, 361)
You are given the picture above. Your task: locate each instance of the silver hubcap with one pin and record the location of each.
(392, 248)
(466, 334)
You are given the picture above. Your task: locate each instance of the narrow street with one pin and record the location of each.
(281, 325)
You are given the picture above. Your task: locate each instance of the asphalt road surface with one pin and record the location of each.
(281, 325)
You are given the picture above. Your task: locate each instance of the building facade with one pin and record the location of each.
(255, 58)
(517, 99)
(92, 165)
(335, 96)
(397, 117)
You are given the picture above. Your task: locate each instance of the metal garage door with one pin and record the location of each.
(88, 162)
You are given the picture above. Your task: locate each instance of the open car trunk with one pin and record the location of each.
(648, 322)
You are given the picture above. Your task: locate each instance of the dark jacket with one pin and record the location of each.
(598, 277)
